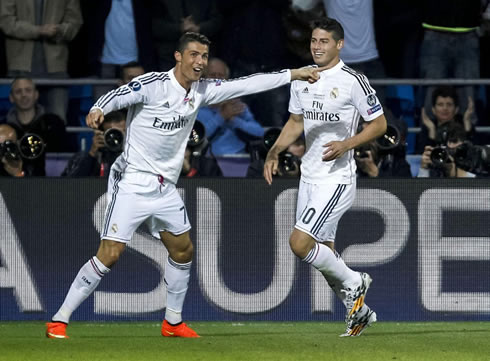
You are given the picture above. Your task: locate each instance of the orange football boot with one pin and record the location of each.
(181, 330)
(56, 330)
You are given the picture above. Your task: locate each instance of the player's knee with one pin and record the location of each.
(298, 247)
(182, 254)
(109, 253)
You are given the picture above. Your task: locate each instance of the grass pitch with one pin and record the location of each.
(249, 341)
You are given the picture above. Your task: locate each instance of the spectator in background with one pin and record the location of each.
(129, 71)
(27, 116)
(230, 124)
(450, 47)
(433, 164)
(11, 162)
(173, 18)
(37, 37)
(104, 150)
(118, 32)
(445, 107)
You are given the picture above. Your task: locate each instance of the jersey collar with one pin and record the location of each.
(175, 83)
(334, 69)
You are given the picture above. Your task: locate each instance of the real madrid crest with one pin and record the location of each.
(114, 228)
(334, 93)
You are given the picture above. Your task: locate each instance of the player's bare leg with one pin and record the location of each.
(177, 273)
(86, 281)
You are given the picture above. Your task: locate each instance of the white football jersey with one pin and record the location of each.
(161, 115)
(331, 108)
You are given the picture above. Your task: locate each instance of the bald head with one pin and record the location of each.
(7, 133)
(217, 69)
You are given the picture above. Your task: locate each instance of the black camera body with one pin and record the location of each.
(10, 150)
(467, 156)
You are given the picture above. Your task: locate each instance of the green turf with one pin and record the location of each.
(249, 341)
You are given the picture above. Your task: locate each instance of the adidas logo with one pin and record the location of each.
(166, 105)
(305, 90)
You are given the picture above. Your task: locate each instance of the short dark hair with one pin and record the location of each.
(456, 132)
(115, 116)
(17, 78)
(190, 37)
(330, 25)
(445, 92)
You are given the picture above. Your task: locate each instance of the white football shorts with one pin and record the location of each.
(134, 198)
(320, 207)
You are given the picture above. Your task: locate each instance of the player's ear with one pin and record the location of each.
(178, 56)
(340, 44)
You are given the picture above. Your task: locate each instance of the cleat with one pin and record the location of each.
(354, 298)
(356, 327)
(181, 330)
(56, 330)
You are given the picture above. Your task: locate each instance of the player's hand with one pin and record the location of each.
(334, 150)
(270, 166)
(95, 118)
(97, 143)
(309, 74)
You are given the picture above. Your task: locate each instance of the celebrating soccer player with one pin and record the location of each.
(328, 112)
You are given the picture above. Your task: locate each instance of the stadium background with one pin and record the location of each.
(425, 242)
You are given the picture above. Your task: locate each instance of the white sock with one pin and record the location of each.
(333, 268)
(83, 285)
(177, 280)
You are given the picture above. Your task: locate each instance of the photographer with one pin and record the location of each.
(29, 117)
(12, 164)
(199, 161)
(440, 161)
(384, 157)
(289, 160)
(107, 145)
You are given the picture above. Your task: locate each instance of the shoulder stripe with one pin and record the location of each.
(252, 75)
(361, 79)
(115, 93)
(155, 78)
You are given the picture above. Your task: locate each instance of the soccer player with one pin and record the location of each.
(162, 109)
(328, 112)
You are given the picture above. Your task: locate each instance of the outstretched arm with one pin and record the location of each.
(221, 90)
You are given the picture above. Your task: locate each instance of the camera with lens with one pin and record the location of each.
(473, 158)
(197, 141)
(114, 140)
(9, 150)
(30, 146)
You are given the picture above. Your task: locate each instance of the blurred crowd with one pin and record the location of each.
(121, 39)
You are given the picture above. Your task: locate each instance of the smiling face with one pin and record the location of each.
(324, 48)
(191, 63)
